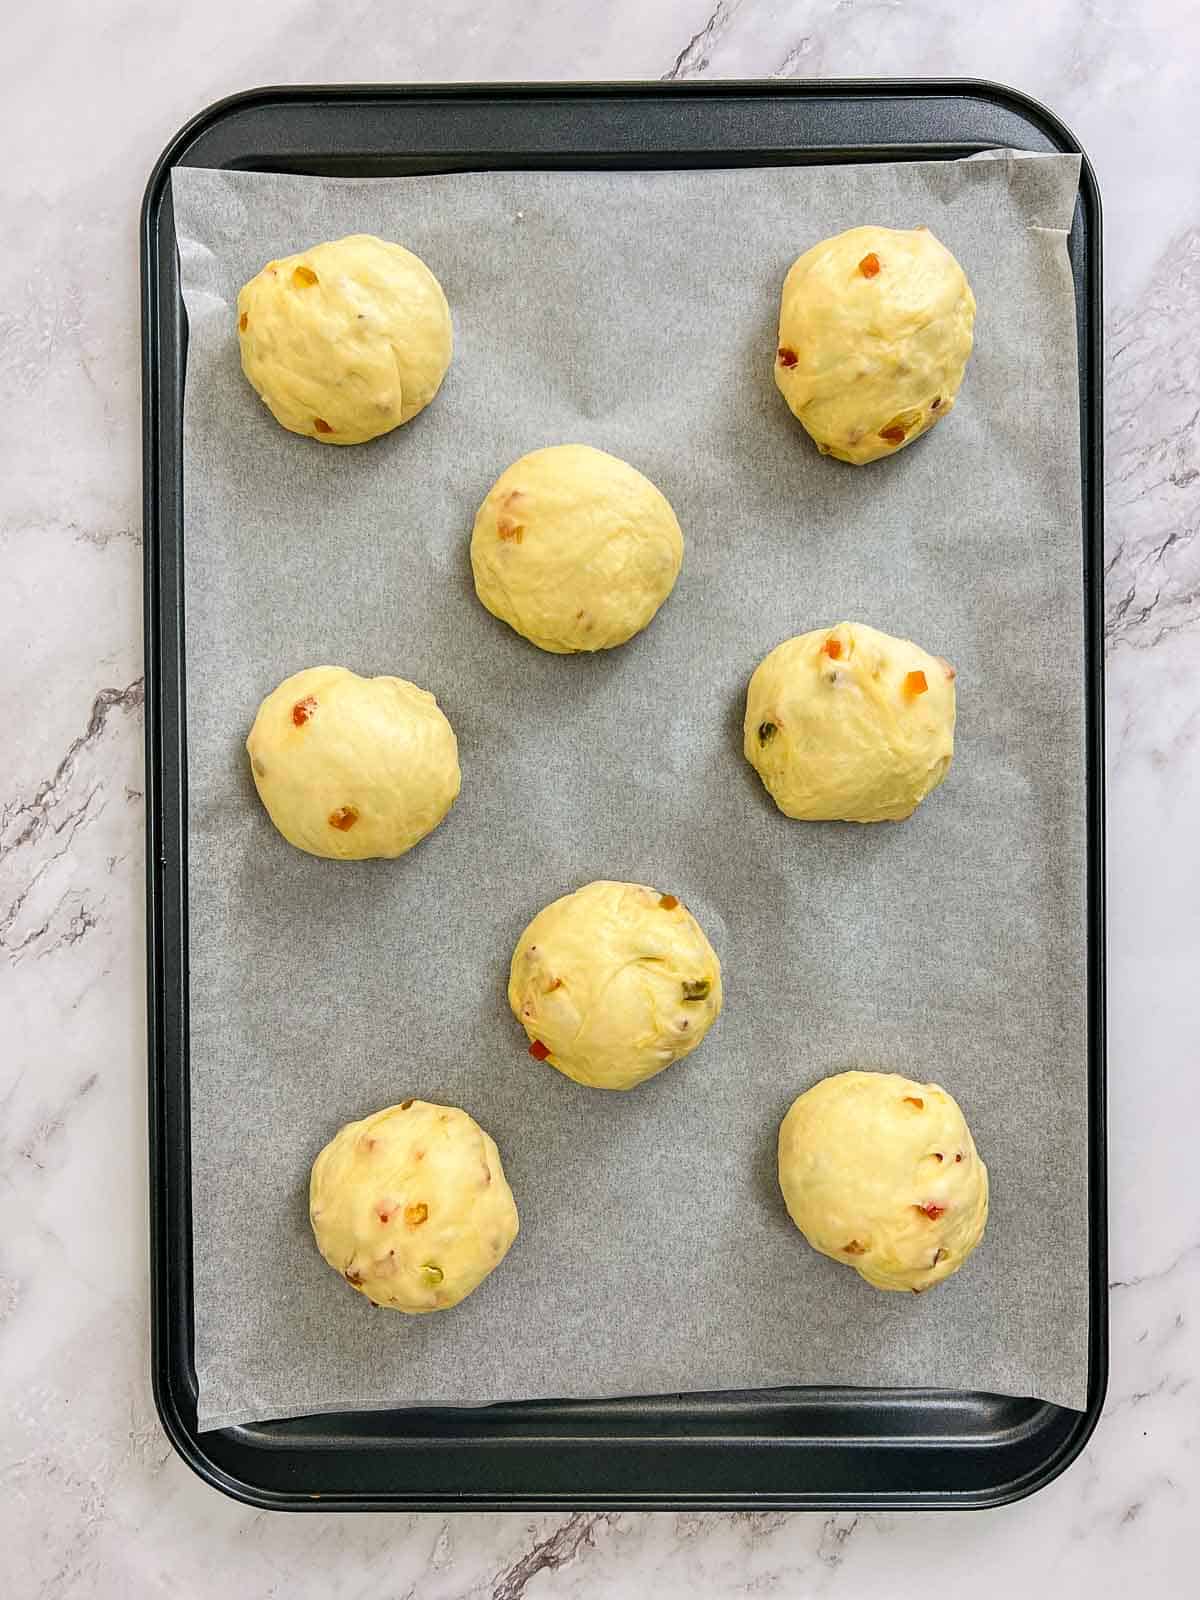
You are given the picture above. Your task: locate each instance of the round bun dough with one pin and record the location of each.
(347, 340)
(613, 983)
(411, 1206)
(882, 1173)
(848, 724)
(352, 767)
(575, 549)
(875, 329)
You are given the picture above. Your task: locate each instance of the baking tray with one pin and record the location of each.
(825, 1448)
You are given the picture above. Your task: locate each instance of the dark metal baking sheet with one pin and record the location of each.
(804, 1447)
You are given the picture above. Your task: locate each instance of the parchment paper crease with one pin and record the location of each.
(637, 312)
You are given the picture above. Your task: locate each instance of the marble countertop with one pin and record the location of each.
(95, 1501)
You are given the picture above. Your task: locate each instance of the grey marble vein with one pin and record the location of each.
(1184, 1256)
(1152, 570)
(694, 58)
(42, 906)
(548, 1554)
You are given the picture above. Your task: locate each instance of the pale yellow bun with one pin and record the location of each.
(881, 1173)
(875, 329)
(411, 1206)
(575, 549)
(346, 340)
(352, 767)
(850, 724)
(613, 983)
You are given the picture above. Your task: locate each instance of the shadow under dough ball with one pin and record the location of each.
(849, 724)
(412, 1207)
(875, 330)
(613, 983)
(351, 767)
(575, 549)
(882, 1174)
(347, 340)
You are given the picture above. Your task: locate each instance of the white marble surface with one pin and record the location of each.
(94, 1502)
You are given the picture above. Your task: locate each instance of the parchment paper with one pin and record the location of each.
(637, 312)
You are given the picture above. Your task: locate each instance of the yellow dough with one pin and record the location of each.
(411, 1206)
(613, 983)
(347, 340)
(575, 549)
(850, 724)
(875, 329)
(882, 1174)
(352, 767)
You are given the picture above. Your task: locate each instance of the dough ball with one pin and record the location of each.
(352, 767)
(575, 549)
(882, 1173)
(847, 724)
(347, 340)
(411, 1206)
(875, 330)
(613, 983)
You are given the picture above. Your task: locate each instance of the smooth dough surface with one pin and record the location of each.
(347, 340)
(352, 767)
(411, 1206)
(849, 724)
(614, 983)
(882, 1174)
(875, 330)
(575, 549)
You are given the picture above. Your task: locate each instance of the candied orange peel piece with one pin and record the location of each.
(668, 902)
(416, 1215)
(833, 649)
(304, 278)
(915, 683)
(322, 426)
(894, 434)
(344, 818)
(538, 1050)
(869, 265)
(303, 709)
